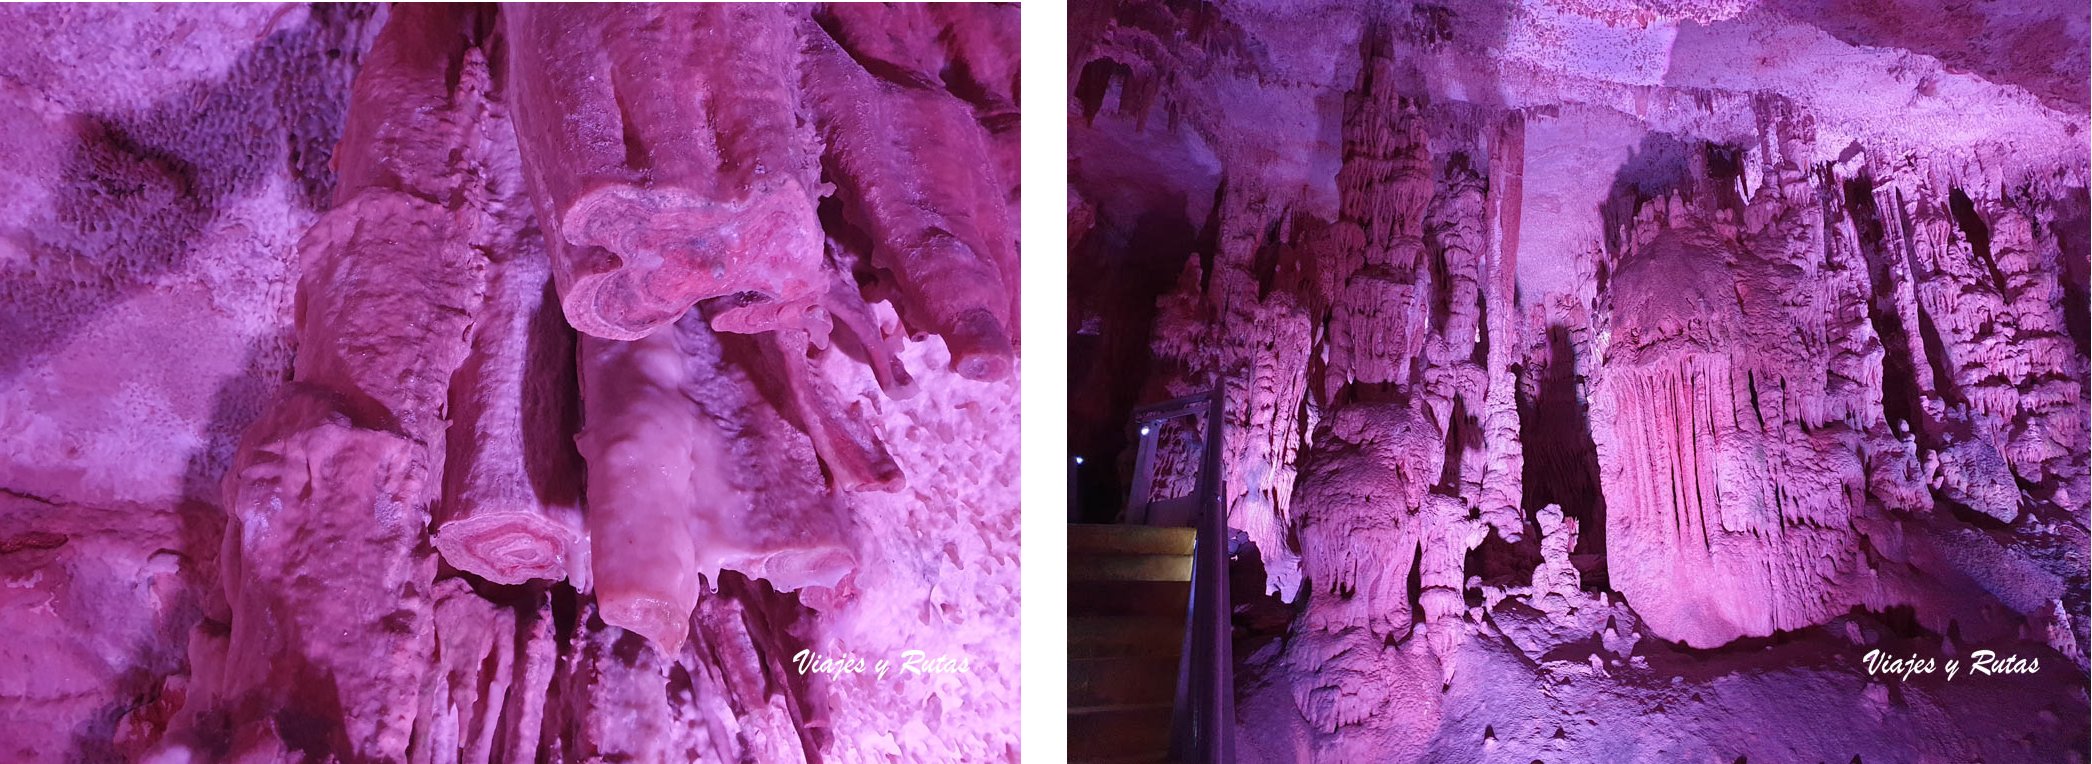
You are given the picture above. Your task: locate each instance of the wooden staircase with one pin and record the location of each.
(1129, 591)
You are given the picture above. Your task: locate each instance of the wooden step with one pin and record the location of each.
(1088, 539)
(1159, 599)
(1124, 636)
(1118, 732)
(1103, 682)
(1130, 567)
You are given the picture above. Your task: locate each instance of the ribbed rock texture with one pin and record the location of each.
(472, 383)
(1606, 379)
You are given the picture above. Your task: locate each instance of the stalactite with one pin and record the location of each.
(1380, 285)
(325, 568)
(1611, 336)
(366, 238)
(939, 227)
(1499, 497)
(670, 164)
(513, 495)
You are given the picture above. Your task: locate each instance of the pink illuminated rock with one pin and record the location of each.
(611, 686)
(472, 636)
(951, 47)
(670, 163)
(512, 493)
(1728, 443)
(940, 226)
(855, 325)
(325, 570)
(979, 72)
(289, 468)
(672, 498)
(513, 497)
(1361, 516)
(784, 525)
(654, 462)
(855, 457)
(1556, 581)
(1354, 681)
(1581, 351)
(1379, 281)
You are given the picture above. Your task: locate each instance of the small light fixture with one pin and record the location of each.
(1078, 461)
(1143, 430)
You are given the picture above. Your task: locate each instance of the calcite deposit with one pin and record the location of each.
(1608, 379)
(522, 383)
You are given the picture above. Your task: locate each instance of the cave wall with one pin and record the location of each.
(1587, 346)
(440, 383)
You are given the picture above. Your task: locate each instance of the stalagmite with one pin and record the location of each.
(1605, 379)
(1556, 581)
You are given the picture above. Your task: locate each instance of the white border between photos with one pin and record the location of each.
(1044, 386)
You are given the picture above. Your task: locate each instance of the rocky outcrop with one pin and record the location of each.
(1583, 333)
(553, 411)
(669, 161)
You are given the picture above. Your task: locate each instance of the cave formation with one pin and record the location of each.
(467, 383)
(1606, 378)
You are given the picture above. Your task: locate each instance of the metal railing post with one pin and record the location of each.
(1217, 707)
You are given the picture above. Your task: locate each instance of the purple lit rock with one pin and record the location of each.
(355, 410)
(1597, 370)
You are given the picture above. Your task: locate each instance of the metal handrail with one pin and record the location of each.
(1214, 621)
(1204, 724)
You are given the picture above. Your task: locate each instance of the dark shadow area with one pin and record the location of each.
(139, 189)
(551, 406)
(1259, 618)
(1501, 563)
(1660, 165)
(1413, 588)
(134, 196)
(1095, 82)
(1900, 393)
(1462, 435)
(1977, 230)
(1113, 288)
(1561, 459)
(2073, 232)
